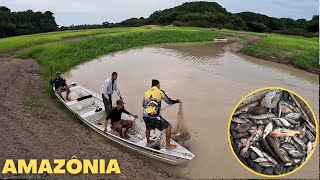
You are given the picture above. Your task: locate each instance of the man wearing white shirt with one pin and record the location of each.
(109, 86)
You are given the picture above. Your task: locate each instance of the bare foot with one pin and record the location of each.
(171, 146)
(126, 136)
(151, 143)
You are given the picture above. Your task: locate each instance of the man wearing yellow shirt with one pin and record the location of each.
(151, 113)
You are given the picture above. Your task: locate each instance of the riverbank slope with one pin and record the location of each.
(33, 126)
(297, 51)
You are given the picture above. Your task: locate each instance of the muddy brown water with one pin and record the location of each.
(210, 82)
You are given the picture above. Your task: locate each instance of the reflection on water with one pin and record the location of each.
(210, 82)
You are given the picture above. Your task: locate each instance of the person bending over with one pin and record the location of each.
(116, 122)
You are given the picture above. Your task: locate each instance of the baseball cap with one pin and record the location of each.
(120, 101)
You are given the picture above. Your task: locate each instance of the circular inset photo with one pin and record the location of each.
(272, 132)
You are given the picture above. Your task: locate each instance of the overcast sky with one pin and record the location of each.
(69, 12)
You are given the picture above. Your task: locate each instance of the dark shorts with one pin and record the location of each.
(118, 122)
(61, 89)
(153, 123)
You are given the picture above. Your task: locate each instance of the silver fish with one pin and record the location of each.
(263, 116)
(300, 142)
(252, 129)
(240, 120)
(244, 115)
(284, 122)
(283, 109)
(303, 112)
(260, 159)
(285, 155)
(309, 146)
(254, 137)
(296, 161)
(271, 99)
(254, 97)
(270, 158)
(243, 128)
(295, 154)
(288, 138)
(267, 130)
(266, 164)
(294, 116)
(288, 164)
(291, 121)
(246, 107)
(257, 151)
(287, 146)
(277, 122)
(277, 141)
(241, 135)
(310, 136)
(289, 106)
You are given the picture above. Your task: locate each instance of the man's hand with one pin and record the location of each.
(178, 100)
(121, 98)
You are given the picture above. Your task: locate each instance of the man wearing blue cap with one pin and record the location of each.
(116, 122)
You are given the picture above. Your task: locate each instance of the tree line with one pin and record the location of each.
(25, 22)
(213, 15)
(198, 14)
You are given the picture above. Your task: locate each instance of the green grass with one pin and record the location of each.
(18, 42)
(303, 52)
(63, 55)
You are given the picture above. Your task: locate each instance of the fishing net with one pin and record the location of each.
(180, 131)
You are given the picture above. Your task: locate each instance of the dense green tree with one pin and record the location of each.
(25, 22)
(199, 14)
(314, 24)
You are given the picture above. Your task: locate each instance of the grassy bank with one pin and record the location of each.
(64, 55)
(298, 51)
(18, 42)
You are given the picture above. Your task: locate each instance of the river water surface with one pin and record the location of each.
(210, 82)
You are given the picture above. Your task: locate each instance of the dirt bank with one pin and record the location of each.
(286, 58)
(34, 126)
(237, 46)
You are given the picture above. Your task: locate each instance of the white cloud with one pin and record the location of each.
(70, 6)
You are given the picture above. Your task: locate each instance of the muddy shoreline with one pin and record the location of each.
(35, 126)
(237, 46)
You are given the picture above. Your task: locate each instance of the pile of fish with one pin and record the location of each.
(272, 132)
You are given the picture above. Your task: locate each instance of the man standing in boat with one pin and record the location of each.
(60, 85)
(151, 113)
(109, 86)
(116, 122)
